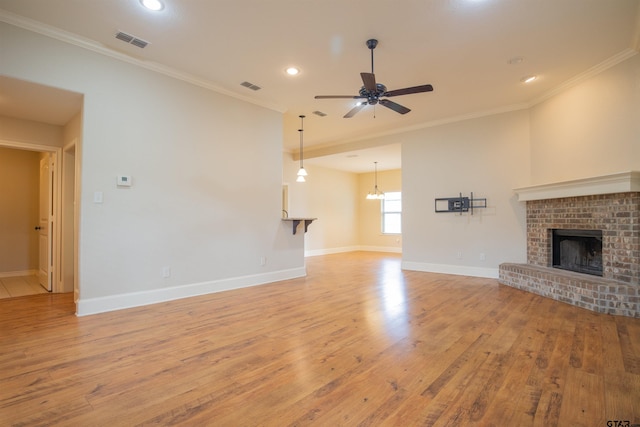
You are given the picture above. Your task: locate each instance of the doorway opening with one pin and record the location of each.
(45, 230)
(45, 121)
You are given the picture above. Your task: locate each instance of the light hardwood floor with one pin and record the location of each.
(19, 286)
(356, 342)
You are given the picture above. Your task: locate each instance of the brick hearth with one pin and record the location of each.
(618, 216)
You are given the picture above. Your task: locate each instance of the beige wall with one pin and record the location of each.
(370, 235)
(329, 195)
(19, 189)
(590, 129)
(18, 130)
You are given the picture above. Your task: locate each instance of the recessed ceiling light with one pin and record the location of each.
(528, 79)
(292, 71)
(152, 4)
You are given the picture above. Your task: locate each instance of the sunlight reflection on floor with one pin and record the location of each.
(393, 299)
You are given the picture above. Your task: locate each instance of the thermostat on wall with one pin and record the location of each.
(124, 180)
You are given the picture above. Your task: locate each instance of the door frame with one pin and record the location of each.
(46, 220)
(70, 171)
(56, 248)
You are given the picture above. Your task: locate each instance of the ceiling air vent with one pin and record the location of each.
(319, 113)
(250, 86)
(128, 38)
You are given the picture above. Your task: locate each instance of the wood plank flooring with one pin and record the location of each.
(358, 342)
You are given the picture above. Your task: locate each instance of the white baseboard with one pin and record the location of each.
(329, 251)
(18, 273)
(461, 270)
(88, 306)
(392, 249)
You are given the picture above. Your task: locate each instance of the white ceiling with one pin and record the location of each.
(461, 47)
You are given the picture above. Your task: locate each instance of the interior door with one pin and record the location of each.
(45, 223)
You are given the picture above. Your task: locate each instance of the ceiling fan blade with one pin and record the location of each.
(338, 97)
(409, 90)
(369, 80)
(394, 106)
(354, 110)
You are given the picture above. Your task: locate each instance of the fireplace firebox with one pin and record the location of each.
(577, 250)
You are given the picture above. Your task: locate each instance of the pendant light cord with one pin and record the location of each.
(301, 145)
(376, 177)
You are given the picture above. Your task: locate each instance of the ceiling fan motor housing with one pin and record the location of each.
(373, 97)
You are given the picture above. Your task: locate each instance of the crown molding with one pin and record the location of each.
(357, 143)
(74, 39)
(591, 72)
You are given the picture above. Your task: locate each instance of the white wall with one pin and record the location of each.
(487, 156)
(589, 130)
(193, 207)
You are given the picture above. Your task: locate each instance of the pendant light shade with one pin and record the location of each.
(377, 194)
(302, 171)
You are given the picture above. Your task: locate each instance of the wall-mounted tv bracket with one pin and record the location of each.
(459, 204)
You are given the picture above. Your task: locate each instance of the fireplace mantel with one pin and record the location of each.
(623, 182)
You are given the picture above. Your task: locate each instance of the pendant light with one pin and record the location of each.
(301, 172)
(377, 194)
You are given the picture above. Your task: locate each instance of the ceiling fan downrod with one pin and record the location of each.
(371, 44)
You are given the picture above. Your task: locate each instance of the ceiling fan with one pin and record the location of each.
(372, 92)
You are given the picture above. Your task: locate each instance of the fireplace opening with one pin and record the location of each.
(578, 250)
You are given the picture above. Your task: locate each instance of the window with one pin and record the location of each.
(392, 213)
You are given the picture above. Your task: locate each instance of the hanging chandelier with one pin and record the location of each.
(377, 194)
(301, 172)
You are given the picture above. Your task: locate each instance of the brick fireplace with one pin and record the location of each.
(609, 204)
